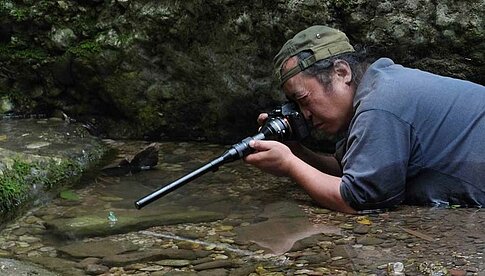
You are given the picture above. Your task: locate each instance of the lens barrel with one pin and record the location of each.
(276, 128)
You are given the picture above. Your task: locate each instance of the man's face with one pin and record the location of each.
(328, 108)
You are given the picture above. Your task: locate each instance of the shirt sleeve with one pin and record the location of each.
(376, 160)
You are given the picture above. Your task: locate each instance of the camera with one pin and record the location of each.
(284, 123)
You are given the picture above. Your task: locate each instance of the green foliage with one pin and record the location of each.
(20, 14)
(13, 186)
(85, 49)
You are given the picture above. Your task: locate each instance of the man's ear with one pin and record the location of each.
(342, 70)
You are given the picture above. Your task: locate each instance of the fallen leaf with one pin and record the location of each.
(364, 221)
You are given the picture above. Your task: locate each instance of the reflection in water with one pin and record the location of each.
(237, 219)
(286, 224)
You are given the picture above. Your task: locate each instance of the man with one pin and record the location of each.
(410, 136)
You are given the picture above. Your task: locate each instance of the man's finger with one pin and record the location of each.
(260, 145)
(262, 118)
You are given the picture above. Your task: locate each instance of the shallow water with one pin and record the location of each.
(235, 221)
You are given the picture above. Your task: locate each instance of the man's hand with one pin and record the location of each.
(270, 156)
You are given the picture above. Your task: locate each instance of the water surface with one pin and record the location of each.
(235, 221)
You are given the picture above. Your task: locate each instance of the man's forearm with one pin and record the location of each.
(322, 187)
(325, 163)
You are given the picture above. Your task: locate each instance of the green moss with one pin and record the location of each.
(148, 117)
(69, 195)
(125, 91)
(9, 52)
(59, 172)
(18, 180)
(36, 54)
(85, 49)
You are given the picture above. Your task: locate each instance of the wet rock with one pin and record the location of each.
(15, 267)
(191, 233)
(87, 261)
(202, 260)
(28, 239)
(174, 263)
(97, 248)
(188, 245)
(145, 159)
(343, 251)
(62, 266)
(128, 220)
(152, 268)
(368, 240)
(50, 153)
(181, 273)
(96, 269)
(243, 271)
(213, 272)
(361, 229)
(316, 258)
(62, 38)
(214, 264)
(148, 255)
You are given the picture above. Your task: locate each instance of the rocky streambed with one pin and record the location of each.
(236, 221)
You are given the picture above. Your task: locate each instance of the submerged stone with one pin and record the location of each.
(149, 255)
(98, 225)
(97, 248)
(15, 267)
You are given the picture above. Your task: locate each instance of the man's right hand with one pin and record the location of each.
(270, 156)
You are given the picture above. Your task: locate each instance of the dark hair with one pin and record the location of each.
(322, 68)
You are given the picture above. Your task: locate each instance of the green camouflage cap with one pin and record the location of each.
(322, 41)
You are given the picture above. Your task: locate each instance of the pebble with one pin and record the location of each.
(152, 268)
(96, 269)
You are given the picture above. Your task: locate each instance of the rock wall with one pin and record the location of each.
(202, 69)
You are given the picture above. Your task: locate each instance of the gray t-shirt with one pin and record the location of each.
(415, 138)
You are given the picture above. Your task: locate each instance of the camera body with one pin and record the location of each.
(286, 123)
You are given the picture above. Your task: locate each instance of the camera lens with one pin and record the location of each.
(276, 128)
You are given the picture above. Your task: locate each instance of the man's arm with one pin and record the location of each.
(326, 163)
(277, 159)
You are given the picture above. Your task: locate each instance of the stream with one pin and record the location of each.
(235, 221)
